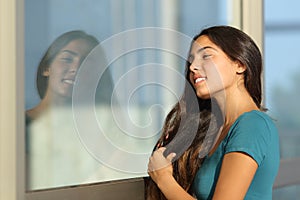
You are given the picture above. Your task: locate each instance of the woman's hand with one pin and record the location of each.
(161, 171)
(159, 166)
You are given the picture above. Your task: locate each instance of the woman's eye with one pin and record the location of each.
(67, 59)
(206, 56)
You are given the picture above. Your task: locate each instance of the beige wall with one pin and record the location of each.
(11, 93)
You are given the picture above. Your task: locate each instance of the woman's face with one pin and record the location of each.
(211, 72)
(62, 71)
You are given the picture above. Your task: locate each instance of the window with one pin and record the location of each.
(46, 20)
(144, 45)
(282, 29)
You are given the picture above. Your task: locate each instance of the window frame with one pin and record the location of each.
(248, 16)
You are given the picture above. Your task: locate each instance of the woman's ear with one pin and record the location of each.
(240, 68)
(46, 72)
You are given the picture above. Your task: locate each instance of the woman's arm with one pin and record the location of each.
(237, 172)
(161, 171)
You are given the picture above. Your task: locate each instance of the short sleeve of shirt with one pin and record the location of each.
(250, 134)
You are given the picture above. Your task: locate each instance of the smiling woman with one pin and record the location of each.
(59, 65)
(49, 123)
(224, 69)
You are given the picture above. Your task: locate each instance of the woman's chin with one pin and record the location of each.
(203, 96)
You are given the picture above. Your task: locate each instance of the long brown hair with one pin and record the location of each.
(239, 47)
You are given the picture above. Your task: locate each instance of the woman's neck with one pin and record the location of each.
(234, 103)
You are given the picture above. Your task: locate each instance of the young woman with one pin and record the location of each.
(242, 158)
(58, 67)
(50, 133)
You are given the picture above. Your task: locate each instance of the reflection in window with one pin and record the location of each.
(55, 155)
(101, 100)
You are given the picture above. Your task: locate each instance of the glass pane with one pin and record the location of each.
(96, 103)
(282, 78)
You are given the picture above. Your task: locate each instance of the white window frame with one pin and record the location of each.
(248, 16)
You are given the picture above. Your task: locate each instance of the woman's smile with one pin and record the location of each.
(69, 81)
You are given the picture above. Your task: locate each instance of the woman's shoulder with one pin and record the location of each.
(254, 124)
(255, 117)
(257, 127)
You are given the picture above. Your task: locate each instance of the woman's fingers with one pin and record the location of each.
(158, 160)
(161, 149)
(171, 156)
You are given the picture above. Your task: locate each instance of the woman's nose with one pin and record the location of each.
(74, 67)
(193, 67)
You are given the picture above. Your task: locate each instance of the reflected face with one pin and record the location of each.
(210, 71)
(62, 71)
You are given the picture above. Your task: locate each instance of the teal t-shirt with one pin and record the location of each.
(255, 134)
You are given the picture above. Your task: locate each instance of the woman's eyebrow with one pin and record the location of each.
(70, 52)
(203, 48)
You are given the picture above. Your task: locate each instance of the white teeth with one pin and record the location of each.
(71, 82)
(199, 79)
